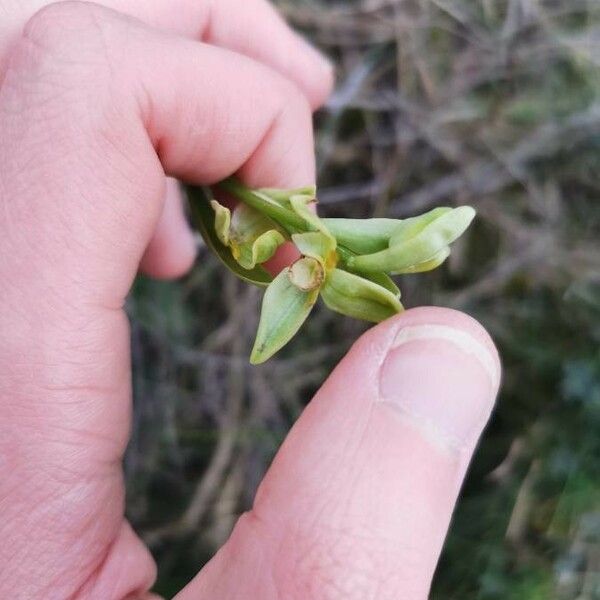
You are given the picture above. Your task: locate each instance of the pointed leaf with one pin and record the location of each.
(284, 308)
(247, 224)
(203, 218)
(362, 236)
(354, 296)
(419, 249)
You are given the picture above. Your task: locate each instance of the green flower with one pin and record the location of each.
(290, 298)
(251, 237)
(347, 262)
(418, 244)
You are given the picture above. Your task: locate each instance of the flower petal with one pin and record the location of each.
(259, 251)
(362, 236)
(285, 307)
(421, 248)
(300, 204)
(307, 274)
(409, 228)
(384, 280)
(222, 222)
(203, 217)
(430, 264)
(247, 224)
(354, 296)
(314, 244)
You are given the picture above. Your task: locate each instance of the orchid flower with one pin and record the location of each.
(347, 262)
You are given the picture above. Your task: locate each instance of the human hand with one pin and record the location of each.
(250, 28)
(95, 108)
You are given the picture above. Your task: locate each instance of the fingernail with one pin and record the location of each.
(443, 380)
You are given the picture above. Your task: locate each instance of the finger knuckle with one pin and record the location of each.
(293, 102)
(290, 134)
(64, 43)
(55, 26)
(62, 66)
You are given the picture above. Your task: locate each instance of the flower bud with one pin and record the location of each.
(419, 243)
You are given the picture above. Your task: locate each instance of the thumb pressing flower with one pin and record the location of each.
(345, 261)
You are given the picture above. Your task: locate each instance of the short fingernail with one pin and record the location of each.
(443, 379)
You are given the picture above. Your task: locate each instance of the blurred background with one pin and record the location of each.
(493, 103)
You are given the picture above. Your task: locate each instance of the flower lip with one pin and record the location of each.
(306, 274)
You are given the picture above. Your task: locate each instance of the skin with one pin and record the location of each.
(96, 109)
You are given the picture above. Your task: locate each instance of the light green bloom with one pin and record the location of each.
(418, 246)
(285, 307)
(251, 237)
(360, 298)
(317, 272)
(362, 236)
(346, 261)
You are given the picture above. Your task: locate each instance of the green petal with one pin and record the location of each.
(203, 217)
(383, 280)
(222, 222)
(259, 251)
(307, 274)
(300, 204)
(421, 248)
(362, 236)
(284, 309)
(431, 264)
(251, 237)
(247, 224)
(357, 297)
(314, 244)
(409, 228)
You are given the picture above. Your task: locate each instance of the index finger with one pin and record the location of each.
(251, 27)
(95, 108)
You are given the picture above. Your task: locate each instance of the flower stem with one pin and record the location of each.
(288, 219)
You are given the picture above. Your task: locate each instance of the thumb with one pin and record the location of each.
(359, 498)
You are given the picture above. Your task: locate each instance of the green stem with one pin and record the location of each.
(288, 219)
